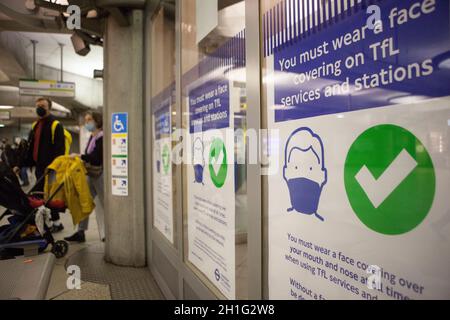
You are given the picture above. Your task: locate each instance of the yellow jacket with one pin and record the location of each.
(75, 193)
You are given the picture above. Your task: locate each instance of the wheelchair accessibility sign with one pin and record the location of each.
(119, 150)
(119, 123)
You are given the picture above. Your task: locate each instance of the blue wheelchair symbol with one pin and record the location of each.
(119, 123)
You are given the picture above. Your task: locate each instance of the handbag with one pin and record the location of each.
(93, 171)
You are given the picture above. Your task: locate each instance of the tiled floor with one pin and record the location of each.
(58, 283)
(89, 291)
(100, 280)
(125, 283)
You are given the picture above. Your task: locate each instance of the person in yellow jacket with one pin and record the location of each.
(75, 193)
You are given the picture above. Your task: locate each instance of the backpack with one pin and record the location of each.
(67, 136)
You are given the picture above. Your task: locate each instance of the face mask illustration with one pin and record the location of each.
(198, 160)
(304, 171)
(158, 158)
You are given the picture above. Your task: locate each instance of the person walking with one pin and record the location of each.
(93, 159)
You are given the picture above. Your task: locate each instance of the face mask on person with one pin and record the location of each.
(305, 195)
(90, 126)
(41, 112)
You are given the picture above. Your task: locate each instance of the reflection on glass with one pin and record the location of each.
(163, 120)
(214, 103)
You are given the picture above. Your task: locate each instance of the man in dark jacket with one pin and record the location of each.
(45, 146)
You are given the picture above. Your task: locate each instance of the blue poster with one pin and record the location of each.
(161, 107)
(345, 66)
(209, 106)
(162, 121)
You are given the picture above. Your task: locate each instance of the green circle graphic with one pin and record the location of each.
(218, 148)
(166, 159)
(390, 180)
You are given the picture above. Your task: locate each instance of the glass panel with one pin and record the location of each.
(214, 117)
(358, 108)
(164, 121)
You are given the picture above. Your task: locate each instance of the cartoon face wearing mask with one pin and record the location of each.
(198, 160)
(158, 158)
(304, 171)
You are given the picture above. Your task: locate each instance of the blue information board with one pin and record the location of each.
(345, 66)
(209, 106)
(162, 121)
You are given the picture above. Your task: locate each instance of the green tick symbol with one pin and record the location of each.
(390, 180)
(166, 159)
(218, 167)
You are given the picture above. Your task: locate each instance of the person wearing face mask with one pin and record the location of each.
(93, 159)
(44, 147)
(304, 171)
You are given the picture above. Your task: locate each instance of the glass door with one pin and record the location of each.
(214, 106)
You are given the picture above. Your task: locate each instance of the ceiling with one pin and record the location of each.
(41, 25)
(48, 53)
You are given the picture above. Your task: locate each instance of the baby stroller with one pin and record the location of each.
(21, 212)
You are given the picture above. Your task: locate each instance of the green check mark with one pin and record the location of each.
(218, 167)
(166, 159)
(390, 180)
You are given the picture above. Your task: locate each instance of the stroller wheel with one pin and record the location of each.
(60, 249)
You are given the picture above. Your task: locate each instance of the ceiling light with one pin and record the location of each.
(57, 107)
(237, 75)
(2, 125)
(408, 99)
(443, 61)
(92, 14)
(6, 107)
(445, 64)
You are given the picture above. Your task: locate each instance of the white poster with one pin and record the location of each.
(119, 186)
(211, 186)
(358, 198)
(162, 171)
(119, 166)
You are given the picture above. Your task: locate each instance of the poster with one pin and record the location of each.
(358, 206)
(162, 165)
(210, 176)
